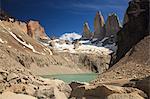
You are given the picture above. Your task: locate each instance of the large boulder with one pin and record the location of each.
(86, 31)
(35, 30)
(144, 85)
(103, 91)
(112, 25)
(125, 96)
(11, 95)
(99, 31)
(21, 88)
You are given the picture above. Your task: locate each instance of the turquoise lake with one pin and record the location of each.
(73, 77)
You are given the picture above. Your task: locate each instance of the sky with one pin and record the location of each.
(63, 16)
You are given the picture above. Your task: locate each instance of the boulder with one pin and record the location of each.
(102, 91)
(99, 30)
(86, 31)
(144, 85)
(63, 87)
(36, 31)
(59, 95)
(125, 96)
(112, 25)
(11, 95)
(21, 88)
(74, 85)
(45, 93)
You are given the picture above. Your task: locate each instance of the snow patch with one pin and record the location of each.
(70, 36)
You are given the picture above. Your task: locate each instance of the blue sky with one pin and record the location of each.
(60, 16)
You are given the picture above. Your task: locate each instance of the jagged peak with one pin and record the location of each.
(86, 25)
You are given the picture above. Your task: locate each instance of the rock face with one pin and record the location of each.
(99, 31)
(126, 19)
(36, 31)
(86, 31)
(135, 29)
(112, 25)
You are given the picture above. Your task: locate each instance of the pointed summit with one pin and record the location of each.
(86, 31)
(99, 31)
(112, 25)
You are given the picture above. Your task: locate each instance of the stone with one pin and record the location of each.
(74, 85)
(36, 31)
(99, 30)
(12, 76)
(46, 93)
(125, 96)
(102, 91)
(63, 87)
(11, 95)
(112, 25)
(59, 95)
(21, 88)
(86, 31)
(144, 85)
